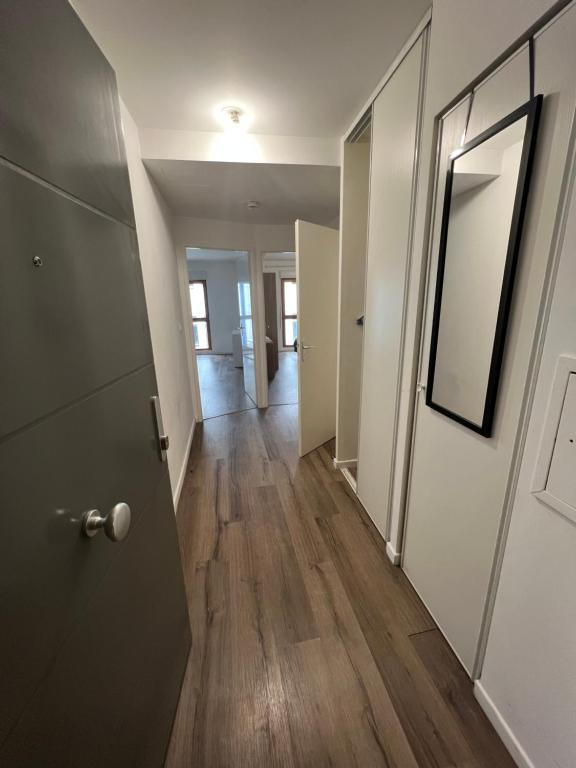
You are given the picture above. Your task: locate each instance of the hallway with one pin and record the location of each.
(309, 647)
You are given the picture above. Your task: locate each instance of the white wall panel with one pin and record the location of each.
(392, 172)
(459, 479)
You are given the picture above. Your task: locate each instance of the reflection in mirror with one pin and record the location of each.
(485, 197)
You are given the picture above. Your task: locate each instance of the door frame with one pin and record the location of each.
(283, 315)
(257, 295)
(260, 314)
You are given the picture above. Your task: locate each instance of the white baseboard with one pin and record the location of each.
(393, 556)
(180, 483)
(341, 463)
(501, 727)
(349, 477)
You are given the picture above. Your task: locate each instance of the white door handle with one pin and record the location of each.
(309, 346)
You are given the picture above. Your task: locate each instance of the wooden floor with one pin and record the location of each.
(309, 647)
(221, 386)
(283, 389)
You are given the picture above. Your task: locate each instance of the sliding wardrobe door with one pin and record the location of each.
(459, 479)
(392, 181)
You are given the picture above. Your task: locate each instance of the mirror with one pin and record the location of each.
(485, 199)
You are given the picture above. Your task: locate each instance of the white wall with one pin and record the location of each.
(221, 285)
(164, 300)
(529, 674)
(232, 235)
(163, 144)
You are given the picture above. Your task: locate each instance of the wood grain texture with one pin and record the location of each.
(221, 386)
(283, 389)
(309, 648)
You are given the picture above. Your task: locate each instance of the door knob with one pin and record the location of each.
(116, 524)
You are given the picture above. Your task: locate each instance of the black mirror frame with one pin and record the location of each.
(531, 109)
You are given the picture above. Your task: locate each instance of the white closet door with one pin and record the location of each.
(393, 165)
(459, 479)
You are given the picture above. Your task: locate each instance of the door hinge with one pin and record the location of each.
(163, 441)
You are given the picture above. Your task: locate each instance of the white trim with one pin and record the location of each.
(410, 249)
(341, 463)
(191, 358)
(339, 321)
(405, 50)
(180, 483)
(258, 326)
(393, 555)
(350, 479)
(501, 727)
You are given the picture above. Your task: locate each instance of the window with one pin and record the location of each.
(289, 311)
(200, 317)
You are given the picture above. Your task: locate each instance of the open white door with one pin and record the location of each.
(317, 286)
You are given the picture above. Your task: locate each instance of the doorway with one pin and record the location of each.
(220, 294)
(354, 232)
(281, 325)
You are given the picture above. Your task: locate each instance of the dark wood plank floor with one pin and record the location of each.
(221, 386)
(309, 647)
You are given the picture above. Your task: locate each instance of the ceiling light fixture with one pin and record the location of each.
(233, 118)
(252, 205)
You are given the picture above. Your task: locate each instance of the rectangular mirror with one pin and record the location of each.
(484, 204)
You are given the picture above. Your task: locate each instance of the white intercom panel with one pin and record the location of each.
(555, 476)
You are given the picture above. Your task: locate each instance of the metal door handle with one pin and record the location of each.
(116, 524)
(309, 346)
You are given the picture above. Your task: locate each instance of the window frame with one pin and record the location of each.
(205, 319)
(284, 315)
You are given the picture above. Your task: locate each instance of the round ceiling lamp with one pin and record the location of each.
(233, 118)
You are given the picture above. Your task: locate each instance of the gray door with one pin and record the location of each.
(95, 633)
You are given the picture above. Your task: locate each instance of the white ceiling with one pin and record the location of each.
(221, 190)
(301, 67)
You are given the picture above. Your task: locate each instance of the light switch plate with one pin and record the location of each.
(554, 484)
